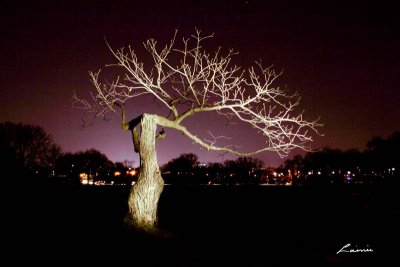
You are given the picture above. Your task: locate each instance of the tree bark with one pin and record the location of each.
(145, 193)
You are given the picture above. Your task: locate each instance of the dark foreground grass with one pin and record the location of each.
(206, 226)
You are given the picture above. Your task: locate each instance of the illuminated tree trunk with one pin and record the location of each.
(145, 193)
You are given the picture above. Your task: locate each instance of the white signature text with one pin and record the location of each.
(347, 249)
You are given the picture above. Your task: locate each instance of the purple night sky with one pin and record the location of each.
(343, 59)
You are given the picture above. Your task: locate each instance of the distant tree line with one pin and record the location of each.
(95, 168)
(26, 149)
(186, 169)
(91, 162)
(379, 160)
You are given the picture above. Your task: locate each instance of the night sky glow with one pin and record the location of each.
(343, 59)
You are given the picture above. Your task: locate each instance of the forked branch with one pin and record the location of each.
(187, 79)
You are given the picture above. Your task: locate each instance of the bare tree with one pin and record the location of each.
(187, 79)
(27, 147)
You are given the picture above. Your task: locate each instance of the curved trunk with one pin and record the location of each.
(145, 193)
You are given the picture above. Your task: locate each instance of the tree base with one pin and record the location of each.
(150, 230)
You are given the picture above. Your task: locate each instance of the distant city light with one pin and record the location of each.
(117, 173)
(130, 172)
(84, 178)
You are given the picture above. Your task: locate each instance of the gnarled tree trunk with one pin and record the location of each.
(145, 193)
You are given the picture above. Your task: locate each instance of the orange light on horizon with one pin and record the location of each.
(84, 178)
(131, 172)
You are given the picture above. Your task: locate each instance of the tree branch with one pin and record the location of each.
(281, 149)
(187, 79)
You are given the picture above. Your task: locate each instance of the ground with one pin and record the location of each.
(204, 226)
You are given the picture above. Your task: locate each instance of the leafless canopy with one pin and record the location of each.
(187, 79)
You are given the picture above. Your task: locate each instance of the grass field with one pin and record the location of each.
(207, 226)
